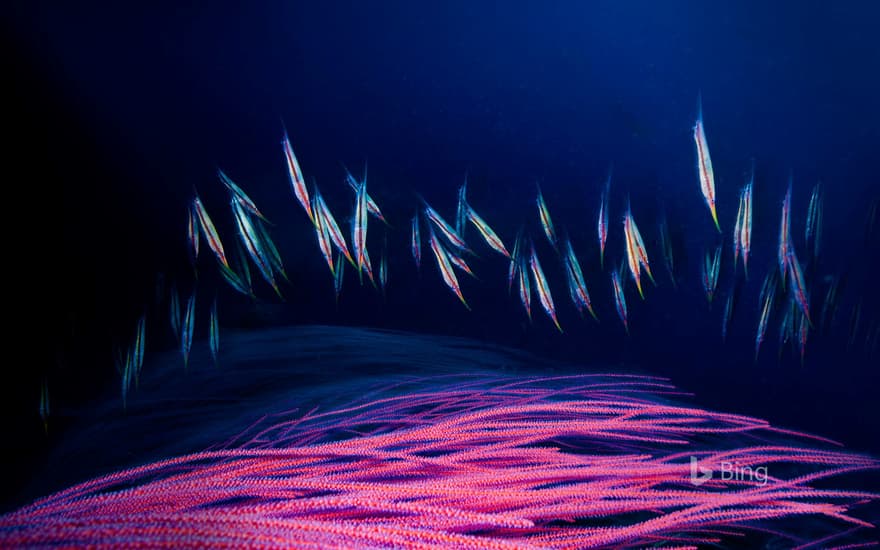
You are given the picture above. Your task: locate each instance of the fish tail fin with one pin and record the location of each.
(264, 218)
(277, 291)
(284, 130)
(700, 105)
(348, 257)
(421, 198)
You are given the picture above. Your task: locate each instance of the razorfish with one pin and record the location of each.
(210, 232)
(728, 313)
(332, 227)
(445, 266)
(514, 261)
(491, 238)
(737, 230)
(803, 330)
(813, 231)
(854, 324)
(296, 178)
(543, 289)
(461, 212)
(573, 292)
(44, 405)
(771, 281)
(546, 221)
(785, 233)
(619, 298)
(632, 254)
(340, 272)
(192, 233)
(786, 326)
(323, 236)
(126, 378)
(268, 245)
(174, 310)
(186, 333)
(359, 227)
(829, 306)
(704, 164)
(766, 309)
(139, 344)
(798, 284)
(602, 225)
(577, 285)
(214, 332)
(250, 240)
(525, 287)
(416, 242)
(383, 269)
(730, 309)
(711, 267)
(871, 222)
(745, 237)
(641, 251)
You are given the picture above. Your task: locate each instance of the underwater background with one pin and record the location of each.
(120, 111)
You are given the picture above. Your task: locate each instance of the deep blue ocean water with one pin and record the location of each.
(120, 110)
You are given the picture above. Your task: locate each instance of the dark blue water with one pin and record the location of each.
(119, 111)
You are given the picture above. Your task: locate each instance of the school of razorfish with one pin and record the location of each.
(784, 294)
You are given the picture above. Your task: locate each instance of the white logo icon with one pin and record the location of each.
(699, 475)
